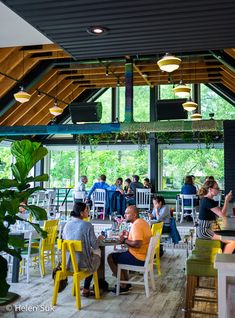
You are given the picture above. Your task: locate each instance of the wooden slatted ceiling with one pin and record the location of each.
(67, 81)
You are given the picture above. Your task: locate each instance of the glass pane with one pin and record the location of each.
(62, 169)
(166, 92)
(113, 164)
(141, 103)
(106, 101)
(5, 162)
(213, 103)
(178, 163)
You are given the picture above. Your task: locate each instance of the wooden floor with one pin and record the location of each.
(166, 302)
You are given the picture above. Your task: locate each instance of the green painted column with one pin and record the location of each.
(129, 92)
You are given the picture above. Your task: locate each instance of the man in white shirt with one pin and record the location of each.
(80, 189)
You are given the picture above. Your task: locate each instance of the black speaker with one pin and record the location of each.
(167, 109)
(85, 112)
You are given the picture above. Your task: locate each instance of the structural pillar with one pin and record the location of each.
(129, 91)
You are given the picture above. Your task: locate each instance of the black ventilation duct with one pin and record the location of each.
(85, 112)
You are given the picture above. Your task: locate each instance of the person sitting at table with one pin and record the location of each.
(77, 229)
(208, 211)
(127, 189)
(161, 213)
(148, 185)
(135, 184)
(118, 185)
(98, 185)
(80, 189)
(137, 242)
(188, 188)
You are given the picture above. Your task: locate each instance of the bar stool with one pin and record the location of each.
(200, 264)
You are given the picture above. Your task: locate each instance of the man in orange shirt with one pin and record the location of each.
(137, 242)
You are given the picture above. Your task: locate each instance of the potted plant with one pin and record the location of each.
(12, 193)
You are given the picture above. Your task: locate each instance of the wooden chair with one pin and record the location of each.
(73, 247)
(146, 270)
(157, 230)
(98, 203)
(47, 245)
(143, 198)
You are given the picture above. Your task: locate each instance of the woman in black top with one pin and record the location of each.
(208, 211)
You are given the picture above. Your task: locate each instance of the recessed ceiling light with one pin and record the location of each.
(97, 30)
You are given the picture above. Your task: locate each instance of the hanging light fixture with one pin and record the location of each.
(182, 90)
(196, 116)
(22, 96)
(56, 110)
(189, 105)
(169, 63)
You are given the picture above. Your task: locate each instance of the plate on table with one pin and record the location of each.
(111, 240)
(225, 232)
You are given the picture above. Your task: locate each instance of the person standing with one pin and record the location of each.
(137, 241)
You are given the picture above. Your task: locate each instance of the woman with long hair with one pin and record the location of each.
(208, 211)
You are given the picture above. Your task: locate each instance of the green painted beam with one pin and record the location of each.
(158, 126)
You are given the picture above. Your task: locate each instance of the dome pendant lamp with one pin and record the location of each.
(56, 110)
(189, 105)
(22, 96)
(169, 63)
(196, 116)
(182, 90)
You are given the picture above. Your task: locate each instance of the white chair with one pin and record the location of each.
(146, 270)
(79, 195)
(191, 208)
(143, 198)
(50, 205)
(40, 199)
(27, 254)
(98, 203)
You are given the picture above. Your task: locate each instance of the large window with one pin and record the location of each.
(175, 164)
(106, 100)
(62, 169)
(213, 103)
(114, 164)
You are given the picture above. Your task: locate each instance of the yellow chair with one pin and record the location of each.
(78, 275)
(157, 229)
(47, 245)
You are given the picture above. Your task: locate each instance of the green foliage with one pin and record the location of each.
(13, 193)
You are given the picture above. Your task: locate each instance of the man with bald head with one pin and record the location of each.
(137, 242)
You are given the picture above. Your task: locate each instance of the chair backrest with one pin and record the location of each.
(40, 199)
(151, 250)
(99, 196)
(190, 197)
(71, 246)
(157, 228)
(143, 198)
(50, 226)
(79, 195)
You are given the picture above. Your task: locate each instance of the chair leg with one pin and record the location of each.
(56, 289)
(52, 258)
(118, 280)
(104, 213)
(96, 285)
(152, 279)
(77, 291)
(42, 261)
(146, 284)
(27, 269)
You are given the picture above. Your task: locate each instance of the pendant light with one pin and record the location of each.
(22, 96)
(189, 105)
(182, 90)
(56, 110)
(196, 116)
(169, 63)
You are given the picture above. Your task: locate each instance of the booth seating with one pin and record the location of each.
(200, 264)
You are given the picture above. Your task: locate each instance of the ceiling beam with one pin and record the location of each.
(158, 126)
